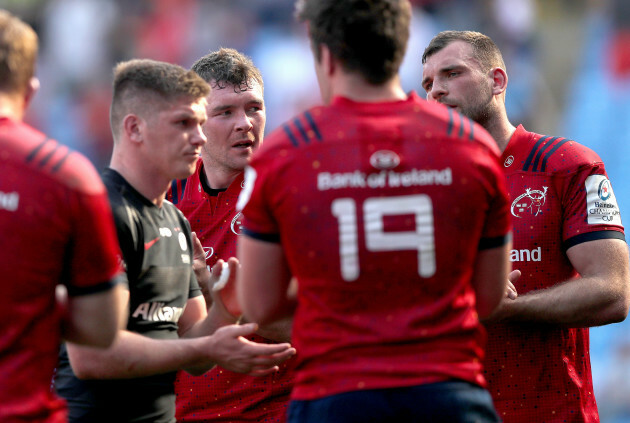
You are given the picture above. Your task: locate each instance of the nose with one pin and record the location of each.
(437, 92)
(199, 137)
(243, 123)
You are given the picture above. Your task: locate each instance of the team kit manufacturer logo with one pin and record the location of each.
(531, 202)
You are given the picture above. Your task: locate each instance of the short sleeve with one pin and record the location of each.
(258, 221)
(590, 207)
(498, 224)
(95, 257)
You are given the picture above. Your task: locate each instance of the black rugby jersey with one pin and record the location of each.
(157, 253)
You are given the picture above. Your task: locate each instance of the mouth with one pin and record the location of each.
(194, 155)
(244, 144)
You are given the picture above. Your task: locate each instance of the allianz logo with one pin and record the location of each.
(526, 255)
(157, 312)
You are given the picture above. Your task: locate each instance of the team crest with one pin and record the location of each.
(530, 202)
(508, 161)
(182, 241)
(384, 159)
(236, 223)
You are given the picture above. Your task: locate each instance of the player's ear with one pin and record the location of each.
(327, 60)
(132, 127)
(499, 80)
(31, 89)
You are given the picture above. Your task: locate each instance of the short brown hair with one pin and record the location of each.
(228, 66)
(485, 51)
(141, 83)
(18, 53)
(366, 36)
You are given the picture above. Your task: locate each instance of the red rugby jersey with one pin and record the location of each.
(381, 209)
(220, 395)
(560, 197)
(57, 227)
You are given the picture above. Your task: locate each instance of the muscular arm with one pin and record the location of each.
(601, 295)
(263, 281)
(92, 319)
(490, 278)
(134, 355)
(220, 314)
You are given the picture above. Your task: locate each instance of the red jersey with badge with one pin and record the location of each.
(560, 197)
(57, 228)
(220, 395)
(381, 209)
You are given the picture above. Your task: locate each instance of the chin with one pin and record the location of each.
(184, 173)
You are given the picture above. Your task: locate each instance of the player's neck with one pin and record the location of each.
(355, 88)
(9, 108)
(219, 178)
(500, 128)
(150, 186)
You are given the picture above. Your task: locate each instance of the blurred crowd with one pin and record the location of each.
(568, 60)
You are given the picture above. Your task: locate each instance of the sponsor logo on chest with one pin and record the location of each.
(157, 312)
(526, 255)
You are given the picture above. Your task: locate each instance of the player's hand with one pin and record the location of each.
(199, 266)
(510, 290)
(223, 287)
(232, 351)
(502, 310)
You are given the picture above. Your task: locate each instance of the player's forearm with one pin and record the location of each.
(217, 317)
(279, 331)
(134, 355)
(583, 302)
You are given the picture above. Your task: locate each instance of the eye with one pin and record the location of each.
(427, 87)
(452, 74)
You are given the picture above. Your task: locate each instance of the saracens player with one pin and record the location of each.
(157, 114)
(393, 216)
(569, 244)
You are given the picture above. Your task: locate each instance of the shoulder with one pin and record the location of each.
(301, 130)
(47, 157)
(549, 153)
(175, 213)
(443, 123)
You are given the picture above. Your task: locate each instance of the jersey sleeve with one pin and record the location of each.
(498, 225)
(497, 228)
(258, 221)
(590, 207)
(95, 257)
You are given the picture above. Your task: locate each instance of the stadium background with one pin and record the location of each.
(568, 63)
